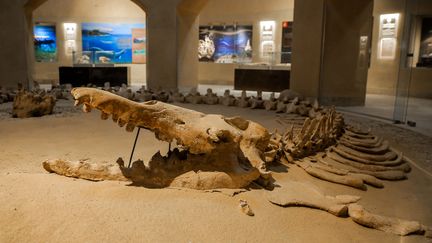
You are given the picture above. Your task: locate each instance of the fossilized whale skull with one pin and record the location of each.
(225, 138)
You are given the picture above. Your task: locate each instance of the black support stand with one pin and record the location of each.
(134, 145)
(133, 148)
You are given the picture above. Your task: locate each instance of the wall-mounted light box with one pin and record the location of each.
(70, 30)
(388, 32)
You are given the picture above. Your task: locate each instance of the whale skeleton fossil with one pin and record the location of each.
(219, 152)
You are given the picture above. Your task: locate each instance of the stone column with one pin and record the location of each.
(13, 38)
(329, 61)
(348, 30)
(306, 46)
(161, 42)
(187, 43)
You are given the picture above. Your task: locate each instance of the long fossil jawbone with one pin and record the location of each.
(198, 132)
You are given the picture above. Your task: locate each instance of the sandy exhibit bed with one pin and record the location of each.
(36, 206)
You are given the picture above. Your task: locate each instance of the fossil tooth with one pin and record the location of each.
(121, 122)
(77, 103)
(115, 117)
(245, 208)
(104, 116)
(130, 127)
(87, 108)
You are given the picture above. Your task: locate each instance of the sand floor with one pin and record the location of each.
(36, 206)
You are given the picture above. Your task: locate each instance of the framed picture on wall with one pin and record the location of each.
(388, 33)
(113, 42)
(139, 45)
(70, 47)
(45, 42)
(267, 48)
(286, 43)
(225, 44)
(387, 48)
(267, 30)
(389, 25)
(70, 30)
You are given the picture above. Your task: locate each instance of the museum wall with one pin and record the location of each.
(383, 73)
(248, 12)
(85, 11)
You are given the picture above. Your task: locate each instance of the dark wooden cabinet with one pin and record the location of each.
(262, 79)
(79, 76)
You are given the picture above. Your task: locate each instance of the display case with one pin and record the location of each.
(425, 46)
(92, 67)
(268, 75)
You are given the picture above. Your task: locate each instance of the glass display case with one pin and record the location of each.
(269, 74)
(267, 60)
(425, 41)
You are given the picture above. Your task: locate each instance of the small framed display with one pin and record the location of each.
(388, 33)
(286, 43)
(389, 25)
(267, 30)
(387, 48)
(70, 30)
(70, 47)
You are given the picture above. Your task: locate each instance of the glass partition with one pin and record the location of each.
(413, 104)
(399, 83)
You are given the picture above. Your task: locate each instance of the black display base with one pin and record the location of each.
(425, 62)
(81, 76)
(261, 80)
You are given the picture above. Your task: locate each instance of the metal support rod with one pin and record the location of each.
(133, 149)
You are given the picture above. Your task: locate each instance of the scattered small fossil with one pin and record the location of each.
(245, 208)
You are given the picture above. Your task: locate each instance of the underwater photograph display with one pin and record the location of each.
(45, 42)
(112, 43)
(225, 44)
(139, 46)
